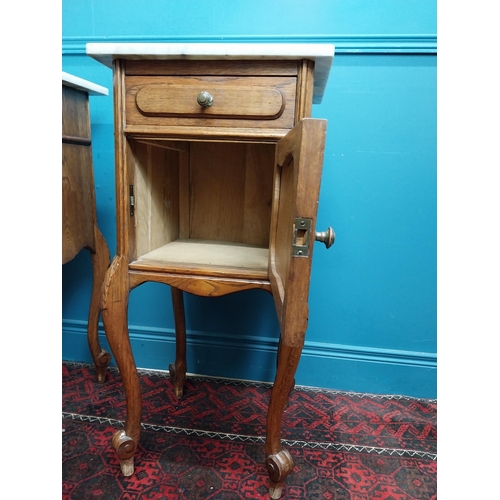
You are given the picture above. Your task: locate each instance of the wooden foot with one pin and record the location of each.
(178, 369)
(278, 467)
(114, 314)
(127, 466)
(125, 448)
(100, 264)
(177, 379)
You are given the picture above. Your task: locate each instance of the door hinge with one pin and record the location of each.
(301, 237)
(132, 200)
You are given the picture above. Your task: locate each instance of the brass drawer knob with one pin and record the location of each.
(205, 100)
(327, 237)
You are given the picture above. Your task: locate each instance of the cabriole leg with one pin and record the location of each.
(114, 314)
(279, 462)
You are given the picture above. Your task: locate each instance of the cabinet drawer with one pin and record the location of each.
(263, 102)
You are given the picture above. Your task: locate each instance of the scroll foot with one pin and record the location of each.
(101, 363)
(278, 467)
(125, 448)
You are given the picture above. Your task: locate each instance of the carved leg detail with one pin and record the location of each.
(100, 264)
(178, 370)
(279, 462)
(114, 314)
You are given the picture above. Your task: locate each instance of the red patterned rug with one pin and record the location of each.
(210, 444)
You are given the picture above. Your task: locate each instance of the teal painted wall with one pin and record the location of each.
(372, 323)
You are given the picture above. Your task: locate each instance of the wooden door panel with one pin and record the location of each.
(299, 163)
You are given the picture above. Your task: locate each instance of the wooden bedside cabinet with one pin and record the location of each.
(218, 169)
(79, 218)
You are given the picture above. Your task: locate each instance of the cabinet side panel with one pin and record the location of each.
(78, 205)
(156, 193)
(184, 193)
(130, 177)
(75, 113)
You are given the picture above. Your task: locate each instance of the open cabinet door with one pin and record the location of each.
(299, 162)
(297, 177)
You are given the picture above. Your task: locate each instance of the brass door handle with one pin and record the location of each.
(204, 99)
(327, 237)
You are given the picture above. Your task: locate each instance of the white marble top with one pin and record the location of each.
(81, 84)
(321, 53)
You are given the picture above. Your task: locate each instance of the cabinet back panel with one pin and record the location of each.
(231, 192)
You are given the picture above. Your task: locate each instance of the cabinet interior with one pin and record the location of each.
(201, 206)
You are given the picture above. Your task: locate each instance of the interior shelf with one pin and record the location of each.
(233, 259)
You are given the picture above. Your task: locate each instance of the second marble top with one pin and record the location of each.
(81, 84)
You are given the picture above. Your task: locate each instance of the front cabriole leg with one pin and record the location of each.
(279, 462)
(114, 315)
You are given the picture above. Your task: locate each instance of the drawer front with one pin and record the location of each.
(263, 102)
